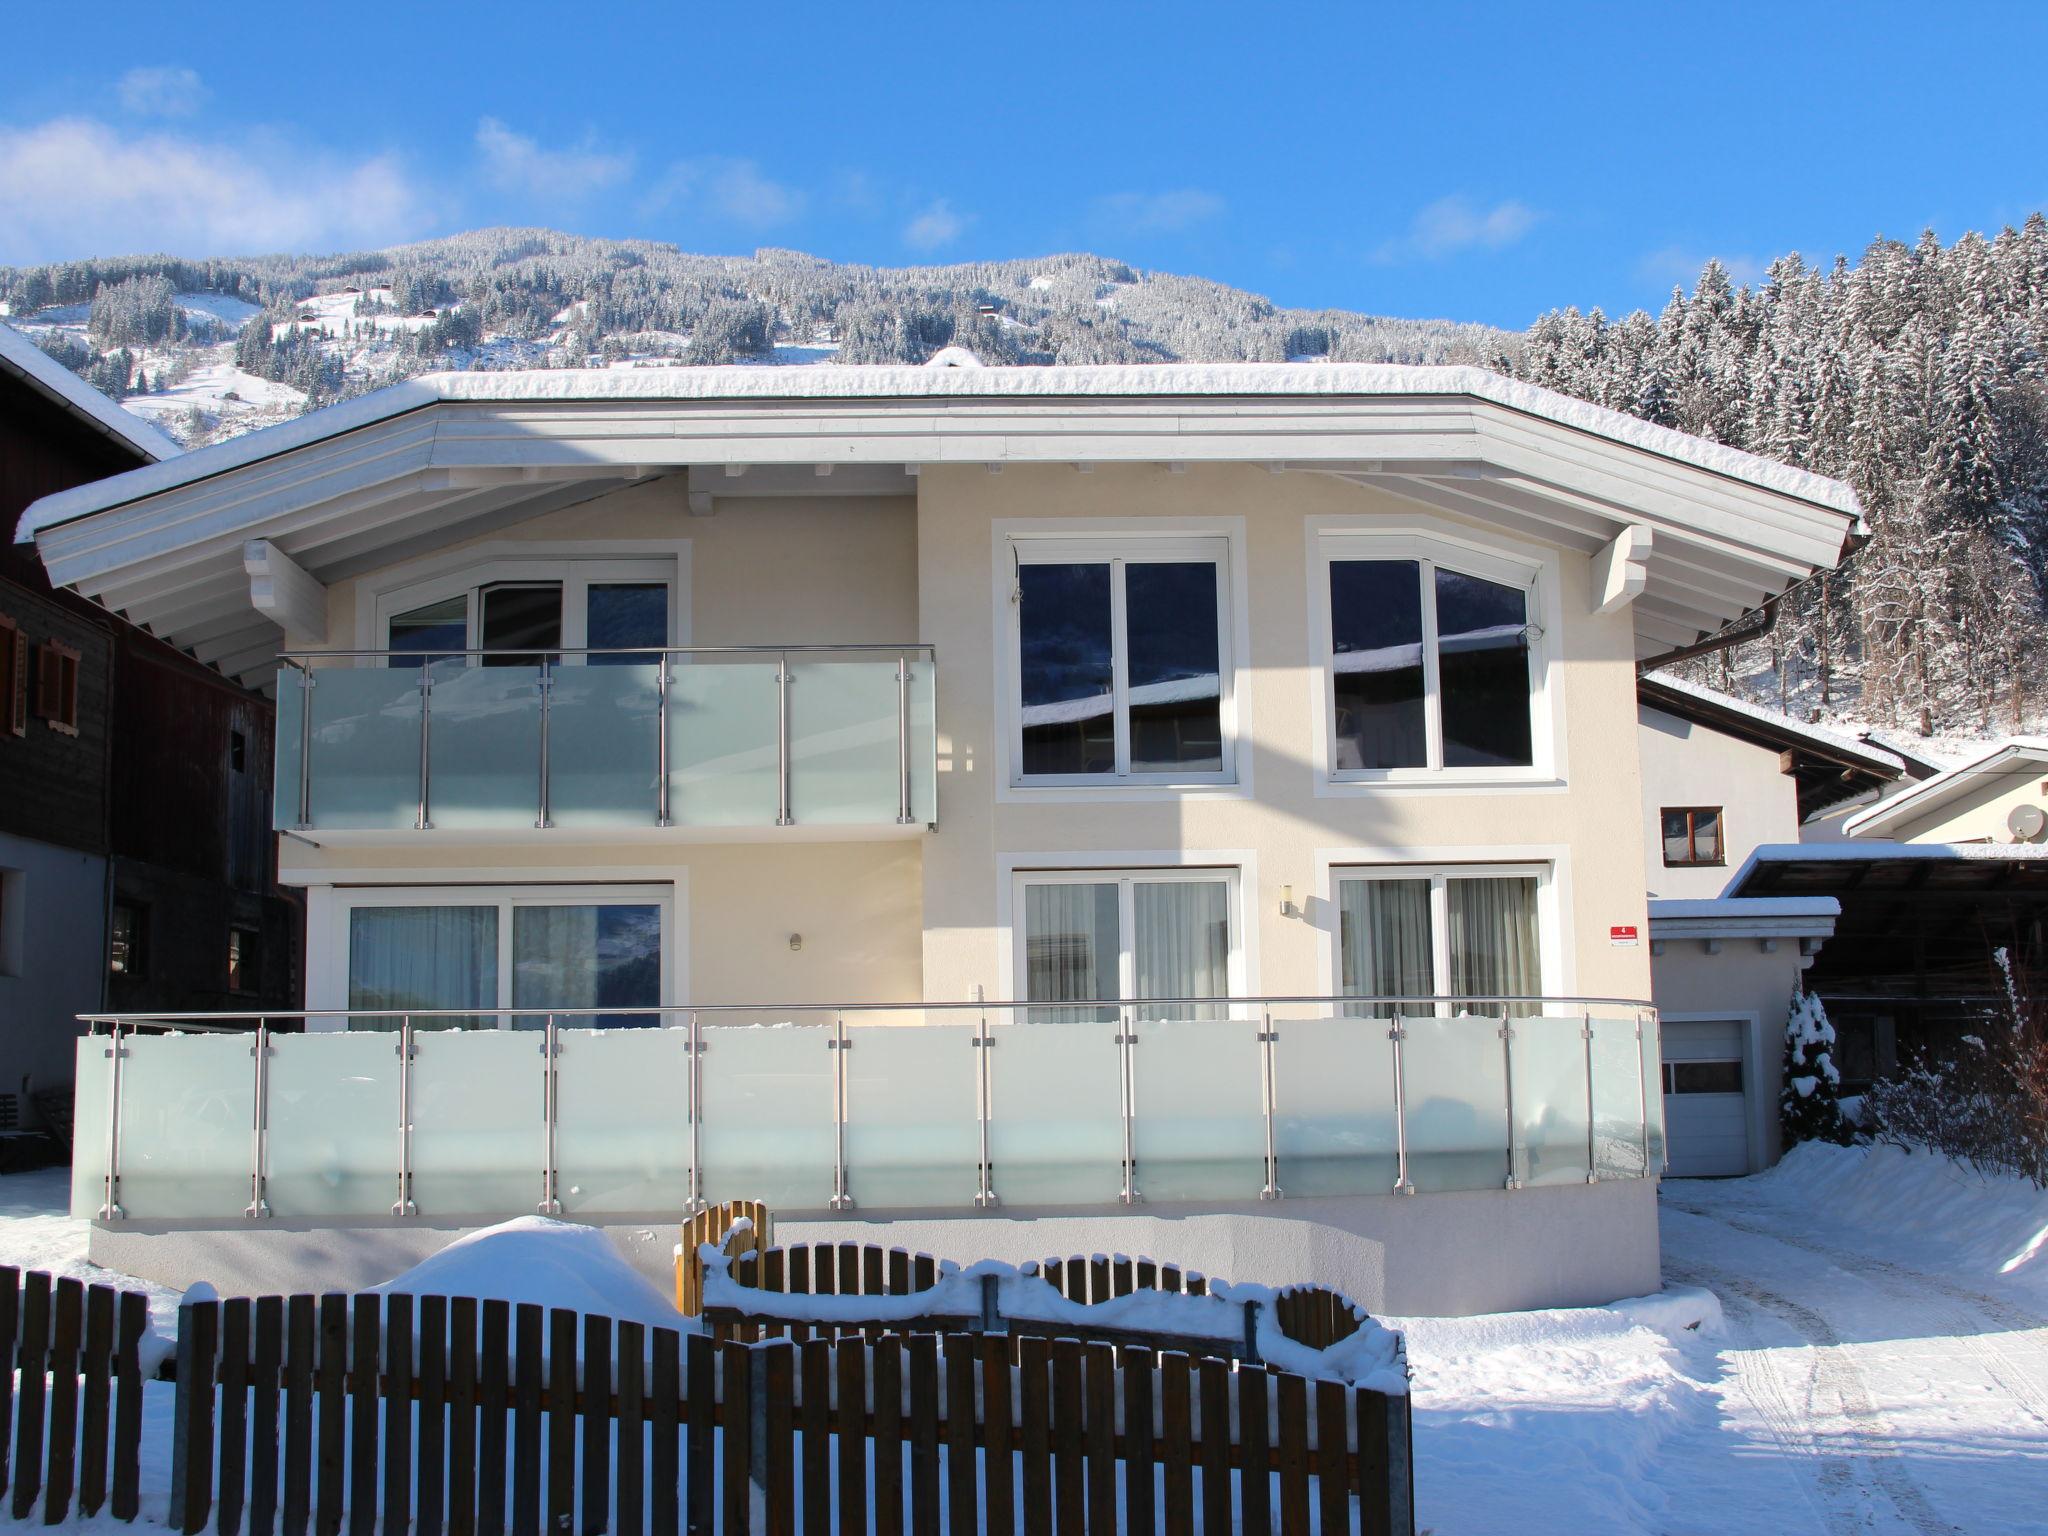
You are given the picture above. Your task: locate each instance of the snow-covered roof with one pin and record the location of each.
(1882, 853)
(1931, 794)
(43, 373)
(1777, 722)
(1744, 906)
(1154, 380)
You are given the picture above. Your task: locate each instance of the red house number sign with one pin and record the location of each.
(1624, 934)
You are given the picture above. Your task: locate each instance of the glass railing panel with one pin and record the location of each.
(924, 763)
(366, 747)
(483, 746)
(478, 1125)
(622, 1121)
(913, 1129)
(1551, 1130)
(1056, 1122)
(188, 1114)
(90, 1086)
(1618, 1101)
(288, 748)
(333, 1125)
(603, 745)
(1199, 1131)
(1455, 1077)
(1653, 1088)
(768, 1110)
(845, 768)
(723, 766)
(1333, 1118)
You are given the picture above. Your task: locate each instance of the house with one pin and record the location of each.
(1175, 803)
(2000, 796)
(135, 865)
(1721, 778)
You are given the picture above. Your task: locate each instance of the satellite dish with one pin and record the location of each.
(2025, 822)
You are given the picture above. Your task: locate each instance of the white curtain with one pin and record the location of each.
(1070, 947)
(1385, 940)
(554, 960)
(422, 957)
(1182, 944)
(1494, 947)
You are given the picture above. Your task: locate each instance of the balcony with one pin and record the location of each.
(918, 1107)
(711, 740)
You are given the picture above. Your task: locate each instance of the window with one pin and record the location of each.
(532, 950)
(519, 611)
(1134, 934)
(13, 920)
(128, 940)
(13, 679)
(238, 752)
(1692, 835)
(1455, 932)
(1703, 1077)
(1122, 666)
(245, 960)
(57, 687)
(1431, 658)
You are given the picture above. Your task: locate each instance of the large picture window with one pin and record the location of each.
(1088, 936)
(537, 949)
(1122, 666)
(1430, 659)
(1455, 932)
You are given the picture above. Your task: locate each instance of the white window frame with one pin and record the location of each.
(1550, 949)
(1532, 571)
(1117, 542)
(574, 566)
(1230, 876)
(332, 912)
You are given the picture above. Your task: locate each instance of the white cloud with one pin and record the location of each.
(938, 225)
(1153, 213)
(734, 191)
(76, 187)
(1457, 223)
(166, 90)
(1681, 266)
(514, 162)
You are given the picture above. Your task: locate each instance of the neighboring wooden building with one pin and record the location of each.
(136, 869)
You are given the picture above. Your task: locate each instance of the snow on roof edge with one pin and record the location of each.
(23, 357)
(1873, 851)
(1744, 906)
(834, 381)
(1778, 720)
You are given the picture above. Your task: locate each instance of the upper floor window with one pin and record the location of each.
(1692, 835)
(1431, 654)
(517, 612)
(128, 940)
(57, 686)
(1122, 661)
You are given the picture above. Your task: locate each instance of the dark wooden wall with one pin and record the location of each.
(44, 448)
(53, 785)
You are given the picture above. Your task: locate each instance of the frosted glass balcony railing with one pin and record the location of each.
(807, 736)
(913, 1107)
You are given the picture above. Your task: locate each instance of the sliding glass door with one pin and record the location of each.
(1127, 934)
(1437, 933)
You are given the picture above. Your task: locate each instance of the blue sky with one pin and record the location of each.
(1481, 162)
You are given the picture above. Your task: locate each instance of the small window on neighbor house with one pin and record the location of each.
(1703, 1077)
(245, 966)
(128, 939)
(13, 679)
(1692, 835)
(238, 752)
(57, 687)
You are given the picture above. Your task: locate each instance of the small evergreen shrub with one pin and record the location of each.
(1810, 1104)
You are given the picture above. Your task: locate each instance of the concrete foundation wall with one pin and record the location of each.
(1424, 1255)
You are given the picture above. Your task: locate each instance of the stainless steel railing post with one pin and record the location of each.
(404, 1206)
(782, 817)
(424, 821)
(903, 816)
(110, 1206)
(544, 820)
(1126, 1041)
(838, 1045)
(550, 1098)
(1397, 1036)
(696, 1054)
(305, 748)
(1592, 1124)
(1268, 1041)
(982, 1043)
(1507, 1062)
(661, 742)
(259, 1151)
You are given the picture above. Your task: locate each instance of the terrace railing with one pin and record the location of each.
(691, 736)
(934, 1106)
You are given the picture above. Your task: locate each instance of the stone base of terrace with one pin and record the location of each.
(1426, 1156)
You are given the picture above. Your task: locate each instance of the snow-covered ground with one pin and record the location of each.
(1855, 1342)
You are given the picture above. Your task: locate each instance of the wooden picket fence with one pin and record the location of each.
(712, 1225)
(384, 1414)
(72, 1427)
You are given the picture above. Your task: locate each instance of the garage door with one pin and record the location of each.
(1706, 1119)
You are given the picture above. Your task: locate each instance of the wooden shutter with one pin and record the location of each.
(13, 679)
